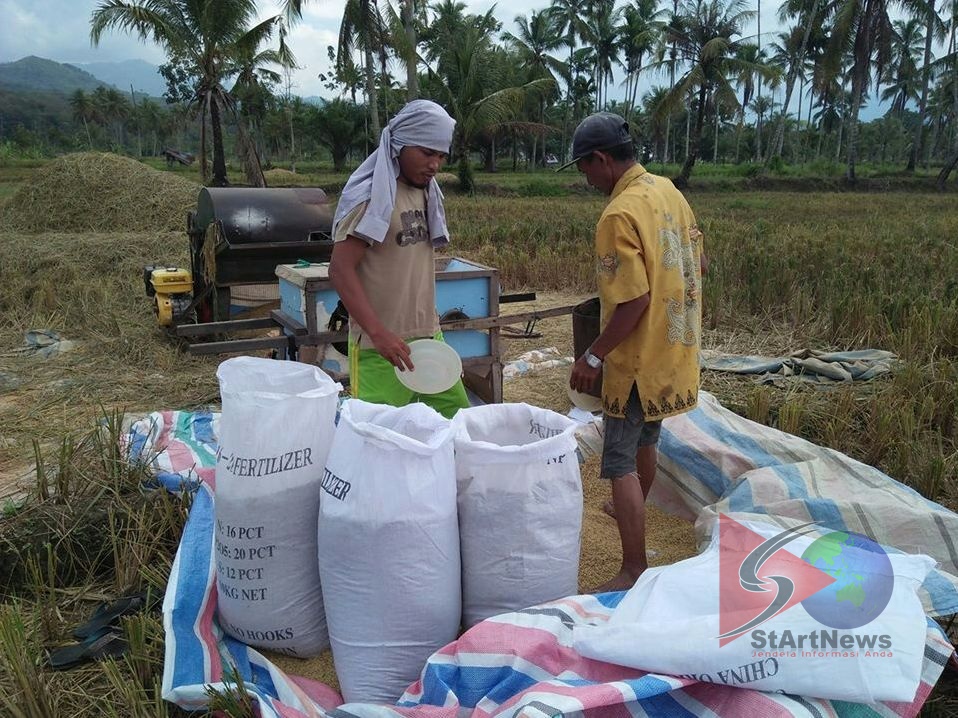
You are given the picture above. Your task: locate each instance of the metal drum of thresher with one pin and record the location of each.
(238, 235)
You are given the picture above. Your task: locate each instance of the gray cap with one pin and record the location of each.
(598, 132)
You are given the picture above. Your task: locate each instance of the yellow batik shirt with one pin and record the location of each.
(647, 242)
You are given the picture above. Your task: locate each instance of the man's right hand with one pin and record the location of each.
(393, 349)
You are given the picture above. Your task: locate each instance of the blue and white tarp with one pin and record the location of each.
(522, 663)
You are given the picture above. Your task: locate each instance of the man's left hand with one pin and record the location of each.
(584, 378)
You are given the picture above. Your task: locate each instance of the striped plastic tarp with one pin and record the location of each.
(713, 461)
(517, 665)
(178, 446)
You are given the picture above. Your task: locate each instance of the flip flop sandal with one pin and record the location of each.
(107, 614)
(107, 643)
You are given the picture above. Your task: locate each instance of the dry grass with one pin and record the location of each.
(99, 192)
(278, 177)
(87, 287)
(89, 532)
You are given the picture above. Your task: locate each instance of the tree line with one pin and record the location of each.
(714, 92)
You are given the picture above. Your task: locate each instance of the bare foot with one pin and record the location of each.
(609, 508)
(622, 581)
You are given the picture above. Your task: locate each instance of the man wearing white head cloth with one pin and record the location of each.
(387, 225)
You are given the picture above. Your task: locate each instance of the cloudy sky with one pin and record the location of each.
(60, 30)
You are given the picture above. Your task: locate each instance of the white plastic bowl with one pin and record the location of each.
(583, 401)
(438, 367)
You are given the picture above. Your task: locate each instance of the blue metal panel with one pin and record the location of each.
(291, 300)
(469, 295)
(291, 303)
(468, 342)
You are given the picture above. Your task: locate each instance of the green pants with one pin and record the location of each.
(373, 379)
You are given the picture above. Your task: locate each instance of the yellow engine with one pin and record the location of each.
(172, 292)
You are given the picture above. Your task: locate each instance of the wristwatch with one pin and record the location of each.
(592, 360)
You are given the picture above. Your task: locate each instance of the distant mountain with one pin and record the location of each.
(36, 74)
(30, 75)
(144, 77)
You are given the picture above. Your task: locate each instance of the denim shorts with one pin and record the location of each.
(624, 436)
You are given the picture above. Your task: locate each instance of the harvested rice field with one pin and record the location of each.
(787, 271)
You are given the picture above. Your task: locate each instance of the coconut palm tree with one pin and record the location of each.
(535, 39)
(567, 15)
(808, 15)
(568, 23)
(83, 112)
(747, 52)
(203, 34)
(252, 89)
(761, 105)
(657, 124)
(152, 118)
(583, 85)
(785, 53)
(950, 66)
(110, 108)
(934, 29)
(448, 18)
(363, 28)
(902, 74)
(703, 33)
(639, 34)
(940, 116)
(832, 104)
(402, 36)
(601, 33)
(865, 28)
(466, 82)
(669, 45)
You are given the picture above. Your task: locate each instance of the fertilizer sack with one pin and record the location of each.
(798, 610)
(520, 508)
(388, 546)
(275, 431)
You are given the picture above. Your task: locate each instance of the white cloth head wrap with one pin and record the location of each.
(420, 123)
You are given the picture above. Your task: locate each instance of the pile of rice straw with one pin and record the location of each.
(99, 192)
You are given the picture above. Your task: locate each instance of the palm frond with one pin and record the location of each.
(136, 17)
(503, 105)
(292, 10)
(249, 42)
(714, 49)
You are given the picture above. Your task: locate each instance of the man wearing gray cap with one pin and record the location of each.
(649, 266)
(388, 222)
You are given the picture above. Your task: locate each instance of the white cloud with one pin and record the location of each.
(309, 43)
(60, 30)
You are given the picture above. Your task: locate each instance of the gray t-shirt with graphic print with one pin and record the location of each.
(398, 274)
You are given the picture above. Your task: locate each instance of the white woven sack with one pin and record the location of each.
(670, 622)
(520, 508)
(388, 546)
(275, 432)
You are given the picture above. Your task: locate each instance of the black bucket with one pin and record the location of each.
(585, 330)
